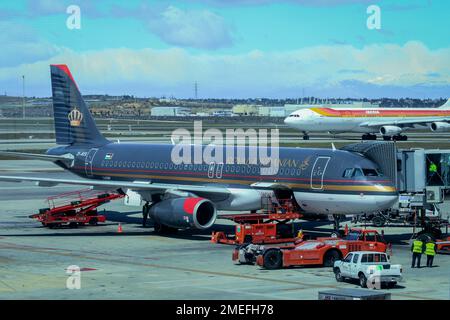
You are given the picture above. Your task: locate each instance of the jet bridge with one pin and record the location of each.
(415, 170)
(423, 169)
(384, 154)
(422, 177)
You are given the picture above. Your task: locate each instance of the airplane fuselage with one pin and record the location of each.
(356, 120)
(315, 176)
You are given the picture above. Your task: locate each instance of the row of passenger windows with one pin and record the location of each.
(249, 169)
(171, 166)
(358, 172)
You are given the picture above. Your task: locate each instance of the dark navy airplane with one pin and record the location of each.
(319, 181)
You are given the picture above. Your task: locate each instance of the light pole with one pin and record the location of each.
(23, 96)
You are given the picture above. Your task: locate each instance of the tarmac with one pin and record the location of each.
(139, 264)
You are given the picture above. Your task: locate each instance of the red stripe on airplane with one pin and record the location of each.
(380, 113)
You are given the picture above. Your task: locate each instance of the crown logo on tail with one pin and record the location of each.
(75, 117)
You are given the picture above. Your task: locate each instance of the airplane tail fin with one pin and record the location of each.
(74, 124)
(445, 105)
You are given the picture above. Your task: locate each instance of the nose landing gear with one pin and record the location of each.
(337, 225)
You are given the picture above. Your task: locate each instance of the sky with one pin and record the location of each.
(231, 48)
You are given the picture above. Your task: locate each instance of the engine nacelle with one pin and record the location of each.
(184, 213)
(390, 130)
(440, 126)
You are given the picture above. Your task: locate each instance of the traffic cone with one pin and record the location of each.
(119, 228)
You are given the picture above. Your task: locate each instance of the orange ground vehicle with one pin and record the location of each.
(258, 228)
(269, 227)
(443, 246)
(322, 251)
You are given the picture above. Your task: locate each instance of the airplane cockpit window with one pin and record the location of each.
(348, 173)
(370, 172)
(358, 173)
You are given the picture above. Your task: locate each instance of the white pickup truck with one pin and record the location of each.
(372, 269)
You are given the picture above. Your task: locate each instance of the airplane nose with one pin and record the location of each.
(387, 202)
(287, 120)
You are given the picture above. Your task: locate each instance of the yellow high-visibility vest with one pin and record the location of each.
(417, 246)
(429, 249)
(432, 168)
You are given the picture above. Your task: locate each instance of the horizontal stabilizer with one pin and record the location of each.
(67, 158)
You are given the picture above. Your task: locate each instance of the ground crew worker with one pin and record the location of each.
(432, 171)
(417, 249)
(300, 234)
(430, 251)
(432, 168)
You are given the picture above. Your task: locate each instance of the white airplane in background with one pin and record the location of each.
(389, 122)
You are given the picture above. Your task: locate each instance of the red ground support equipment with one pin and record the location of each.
(443, 246)
(322, 251)
(74, 208)
(259, 228)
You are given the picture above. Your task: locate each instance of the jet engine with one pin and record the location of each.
(440, 126)
(390, 130)
(184, 213)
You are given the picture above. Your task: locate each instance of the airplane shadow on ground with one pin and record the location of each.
(129, 222)
(133, 220)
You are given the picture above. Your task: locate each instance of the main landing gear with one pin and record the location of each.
(145, 210)
(398, 137)
(305, 136)
(158, 227)
(369, 136)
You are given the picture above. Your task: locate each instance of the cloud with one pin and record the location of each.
(22, 45)
(201, 29)
(332, 70)
(191, 28)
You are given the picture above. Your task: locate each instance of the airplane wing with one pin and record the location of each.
(116, 184)
(403, 122)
